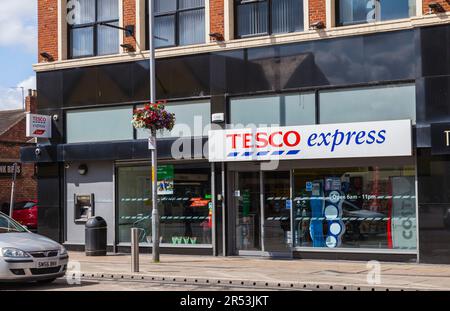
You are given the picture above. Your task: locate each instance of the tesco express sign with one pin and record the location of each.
(39, 126)
(348, 140)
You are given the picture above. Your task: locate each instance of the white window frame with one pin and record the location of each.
(141, 36)
(62, 30)
(120, 7)
(228, 17)
(140, 25)
(63, 40)
(207, 21)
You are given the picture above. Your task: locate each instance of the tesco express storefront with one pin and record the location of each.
(321, 186)
(344, 190)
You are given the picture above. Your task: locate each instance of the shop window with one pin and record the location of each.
(260, 17)
(283, 110)
(94, 125)
(184, 194)
(192, 120)
(394, 102)
(365, 207)
(87, 35)
(178, 22)
(349, 12)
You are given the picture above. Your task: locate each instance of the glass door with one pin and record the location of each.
(247, 202)
(277, 234)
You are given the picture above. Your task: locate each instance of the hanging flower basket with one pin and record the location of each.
(153, 117)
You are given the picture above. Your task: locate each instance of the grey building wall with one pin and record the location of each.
(100, 181)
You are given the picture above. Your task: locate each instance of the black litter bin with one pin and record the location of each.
(96, 232)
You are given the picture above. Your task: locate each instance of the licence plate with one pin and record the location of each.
(47, 264)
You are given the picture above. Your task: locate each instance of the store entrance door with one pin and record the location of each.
(262, 208)
(247, 203)
(277, 207)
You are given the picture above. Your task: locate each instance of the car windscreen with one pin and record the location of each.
(8, 225)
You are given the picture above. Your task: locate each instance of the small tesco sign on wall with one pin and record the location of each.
(347, 140)
(38, 126)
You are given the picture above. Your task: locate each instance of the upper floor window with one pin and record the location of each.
(385, 102)
(179, 22)
(193, 120)
(87, 35)
(99, 124)
(270, 110)
(261, 17)
(350, 12)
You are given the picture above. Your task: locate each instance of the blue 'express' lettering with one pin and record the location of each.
(338, 138)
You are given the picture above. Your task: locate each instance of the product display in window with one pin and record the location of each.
(371, 207)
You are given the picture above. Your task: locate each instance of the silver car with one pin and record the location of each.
(25, 256)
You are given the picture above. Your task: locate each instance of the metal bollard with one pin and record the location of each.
(134, 249)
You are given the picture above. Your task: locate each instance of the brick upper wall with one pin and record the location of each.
(129, 18)
(47, 28)
(48, 20)
(216, 17)
(444, 3)
(317, 11)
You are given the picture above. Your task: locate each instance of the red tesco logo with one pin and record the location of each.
(259, 140)
(39, 119)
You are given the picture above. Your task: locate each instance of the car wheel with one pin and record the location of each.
(48, 281)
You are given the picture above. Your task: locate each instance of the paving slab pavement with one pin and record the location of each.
(265, 272)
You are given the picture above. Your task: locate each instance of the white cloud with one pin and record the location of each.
(18, 24)
(29, 83)
(11, 98)
(18, 30)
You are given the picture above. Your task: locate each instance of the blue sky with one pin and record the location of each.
(18, 50)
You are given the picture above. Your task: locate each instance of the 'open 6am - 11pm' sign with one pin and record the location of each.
(39, 126)
(347, 140)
